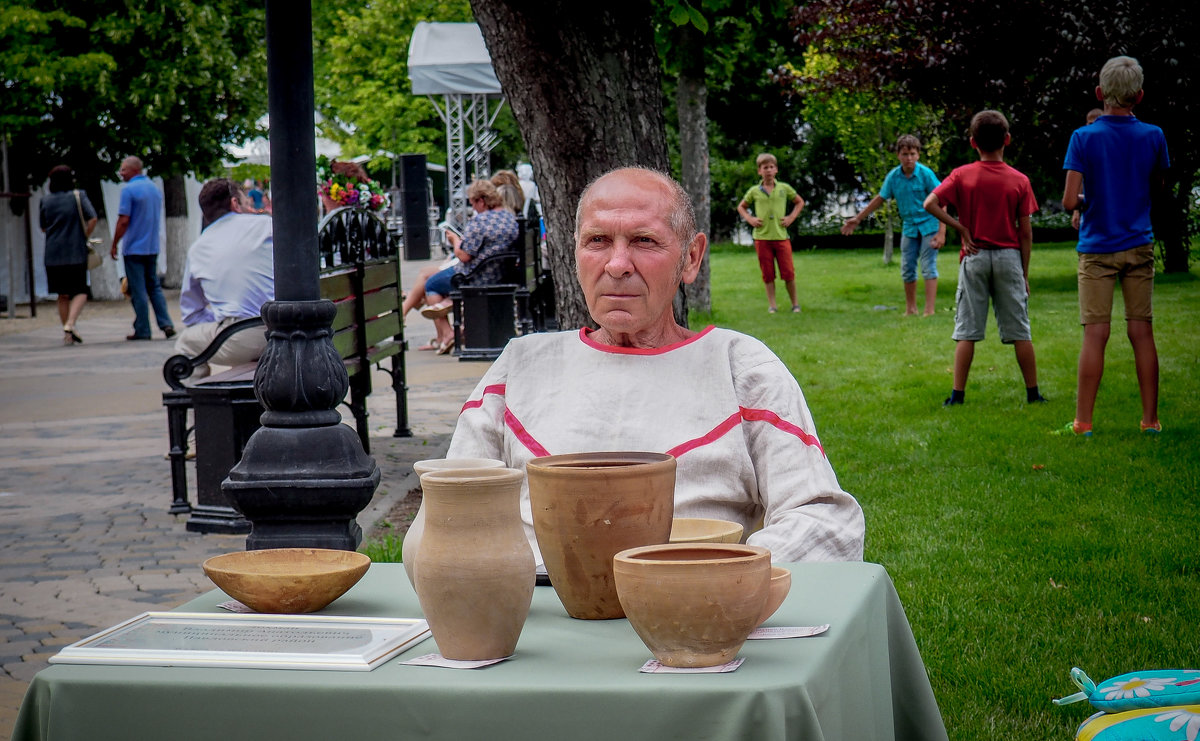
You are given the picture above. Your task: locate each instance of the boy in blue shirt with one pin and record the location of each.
(923, 235)
(1121, 162)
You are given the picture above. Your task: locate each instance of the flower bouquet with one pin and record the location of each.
(346, 184)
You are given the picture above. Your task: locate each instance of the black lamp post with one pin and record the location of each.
(303, 477)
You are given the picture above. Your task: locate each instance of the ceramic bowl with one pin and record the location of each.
(781, 584)
(587, 507)
(693, 604)
(286, 580)
(701, 530)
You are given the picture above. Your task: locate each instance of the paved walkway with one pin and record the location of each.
(85, 538)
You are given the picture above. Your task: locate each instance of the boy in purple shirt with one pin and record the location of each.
(1121, 162)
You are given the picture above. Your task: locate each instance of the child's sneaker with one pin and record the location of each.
(1153, 429)
(1074, 428)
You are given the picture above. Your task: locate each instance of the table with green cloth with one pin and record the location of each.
(861, 680)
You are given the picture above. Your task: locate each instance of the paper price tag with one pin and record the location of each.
(442, 661)
(234, 606)
(803, 631)
(654, 667)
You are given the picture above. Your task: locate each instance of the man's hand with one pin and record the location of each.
(850, 225)
(113, 252)
(754, 221)
(937, 241)
(787, 221)
(1075, 220)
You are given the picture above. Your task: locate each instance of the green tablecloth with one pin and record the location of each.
(570, 679)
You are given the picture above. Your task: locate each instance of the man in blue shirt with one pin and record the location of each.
(140, 215)
(922, 235)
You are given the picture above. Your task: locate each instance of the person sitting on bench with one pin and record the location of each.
(230, 274)
(492, 229)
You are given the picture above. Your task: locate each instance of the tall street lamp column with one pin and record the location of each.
(303, 477)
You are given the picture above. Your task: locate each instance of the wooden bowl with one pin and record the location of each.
(701, 530)
(286, 580)
(781, 584)
(693, 604)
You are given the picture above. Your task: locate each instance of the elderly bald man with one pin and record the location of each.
(719, 401)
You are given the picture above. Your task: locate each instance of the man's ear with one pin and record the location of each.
(235, 205)
(1140, 95)
(1099, 94)
(1007, 139)
(695, 256)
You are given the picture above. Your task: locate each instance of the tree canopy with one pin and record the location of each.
(89, 83)
(1036, 62)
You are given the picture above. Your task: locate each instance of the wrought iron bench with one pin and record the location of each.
(360, 274)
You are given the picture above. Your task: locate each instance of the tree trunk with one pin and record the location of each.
(888, 239)
(175, 249)
(584, 85)
(1171, 225)
(692, 104)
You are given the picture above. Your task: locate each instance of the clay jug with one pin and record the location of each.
(589, 506)
(474, 570)
(412, 538)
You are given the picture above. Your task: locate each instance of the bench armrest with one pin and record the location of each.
(179, 367)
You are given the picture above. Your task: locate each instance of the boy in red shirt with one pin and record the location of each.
(994, 202)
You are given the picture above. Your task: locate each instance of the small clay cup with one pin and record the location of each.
(586, 508)
(412, 537)
(702, 530)
(781, 584)
(693, 604)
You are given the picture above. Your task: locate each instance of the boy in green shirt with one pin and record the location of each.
(770, 199)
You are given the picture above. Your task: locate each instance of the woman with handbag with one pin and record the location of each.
(67, 218)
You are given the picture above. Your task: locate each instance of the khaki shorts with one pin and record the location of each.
(1098, 275)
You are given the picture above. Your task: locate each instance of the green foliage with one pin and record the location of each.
(362, 87)
(88, 84)
(384, 548)
(1017, 553)
(249, 171)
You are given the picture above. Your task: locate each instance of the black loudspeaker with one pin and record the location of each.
(414, 206)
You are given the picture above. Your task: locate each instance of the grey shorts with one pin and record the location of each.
(993, 275)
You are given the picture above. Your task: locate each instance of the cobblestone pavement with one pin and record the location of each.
(85, 537)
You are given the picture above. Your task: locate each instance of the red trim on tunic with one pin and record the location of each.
(497, 389)
(523, 435)
(747, 415)
(585, 336)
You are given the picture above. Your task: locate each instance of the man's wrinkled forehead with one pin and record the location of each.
(620, 192)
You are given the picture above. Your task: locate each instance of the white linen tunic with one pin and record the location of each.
(721, 402)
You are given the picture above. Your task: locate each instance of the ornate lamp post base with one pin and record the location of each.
(303, 477)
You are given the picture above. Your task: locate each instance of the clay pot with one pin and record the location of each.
(701, 530)
(412, 538)
(781, 584)
(286, 580)
(474, 570)
(589, 506)
(693, 604)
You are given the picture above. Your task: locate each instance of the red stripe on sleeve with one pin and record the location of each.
(497, 389)
(748, 415)
(771, 418)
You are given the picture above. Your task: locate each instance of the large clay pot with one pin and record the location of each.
(693, 604)
(589, 506)
(475, 569)
(412, 538)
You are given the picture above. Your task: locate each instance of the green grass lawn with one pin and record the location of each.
(1017, 553)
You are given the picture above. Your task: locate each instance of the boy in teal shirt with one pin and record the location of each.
(770, 199)
(922, 235)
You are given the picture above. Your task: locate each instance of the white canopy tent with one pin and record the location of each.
(450, 60)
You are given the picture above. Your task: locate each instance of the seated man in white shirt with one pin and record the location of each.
(230, 274)
(719, 401)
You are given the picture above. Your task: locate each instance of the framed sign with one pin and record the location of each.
(251, 641)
